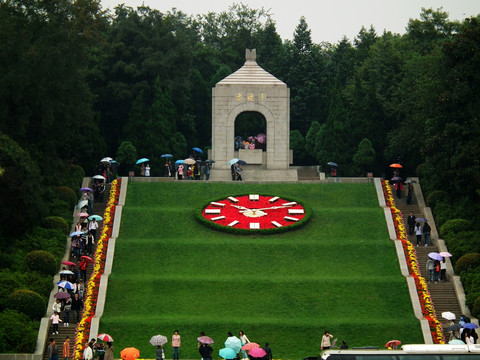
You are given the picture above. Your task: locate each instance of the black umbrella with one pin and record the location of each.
(454, 327)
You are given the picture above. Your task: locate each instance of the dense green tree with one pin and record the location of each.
(364, 158)
(297, 144)
(126, 156)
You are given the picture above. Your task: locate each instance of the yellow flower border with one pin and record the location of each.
(83, 328)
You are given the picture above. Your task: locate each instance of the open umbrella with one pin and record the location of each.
(106, 160)
(250, 346)
(393, 343)
(82, 204)
(197, 150)
(454, 327)
(445, 254)
(331, 163)
(205, 340)
(396, 179)
(142, 160)
(76, 233)
(85, 189)
(257, 353)
(179, 162)
(130, 353)
(158, 340)
(98, 177)
(62, 295)
(420, 220)
(82, 214)
(241, 162)
(210, 161)
(409, 181)
(261, 138)
(232, 161)
(65, 285)
(96, 217)
(189, 161)
(470, 326)
(68, 263)
(456, 342)
(396, 166)
(66, 272)
(435, 256)
(166, 156)
(448, 315)
(227, 353)
(105, 337)
(86, 258)
(234, 343)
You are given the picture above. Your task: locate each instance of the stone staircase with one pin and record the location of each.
(307, 173)
(443, 294)
(63, 332)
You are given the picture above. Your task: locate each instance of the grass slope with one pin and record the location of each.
(338, 273)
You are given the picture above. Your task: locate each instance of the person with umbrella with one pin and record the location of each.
(92, 227)
(431, 269)
(244, 340)
(108, 351)
(411, 223)
(206, 351)
(267, 349)
(83, 269)
(208, 165)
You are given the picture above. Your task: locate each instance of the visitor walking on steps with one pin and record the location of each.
(176, 343)
(411, 223)
(55, 320)
(431, 269)
(418, 233)
(66, 349)
(443, 271)
(426, 232)
(52, 350)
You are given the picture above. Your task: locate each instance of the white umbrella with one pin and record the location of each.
(98, 177)
(189, 161)
(158, 340)
(448, 315)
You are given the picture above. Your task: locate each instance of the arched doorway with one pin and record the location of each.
(250, 131)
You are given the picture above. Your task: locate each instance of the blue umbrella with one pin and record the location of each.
(96, 217)
(227, 353)
(470, 326)
(142, 160)
(241, 162)
(197, 150)
(166, 156)
(76, 233)
(179, 162)
(331, 163)
(233, 161)
(234, 343)
(65, 284)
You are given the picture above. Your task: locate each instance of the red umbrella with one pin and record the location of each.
(105, 337)
(68, 263)
(86, 258)
(257, 353)
(397, 166)
(393, 344)
(250, 346)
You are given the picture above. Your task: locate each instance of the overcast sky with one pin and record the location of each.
(328, 20)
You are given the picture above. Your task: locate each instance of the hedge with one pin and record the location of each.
(467, 262)
(27, 302)
(57, 222)
(42, 262)
(455, 226)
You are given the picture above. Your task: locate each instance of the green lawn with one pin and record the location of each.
(338, 273)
